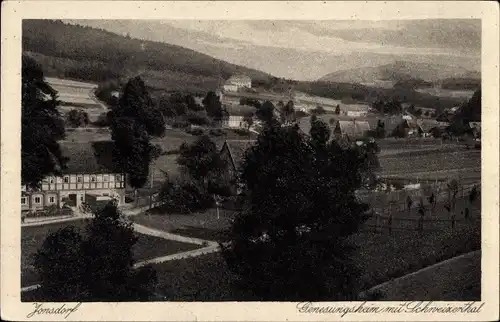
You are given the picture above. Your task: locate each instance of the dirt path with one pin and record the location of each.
(210, 248)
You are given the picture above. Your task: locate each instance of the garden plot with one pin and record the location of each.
(439, 163)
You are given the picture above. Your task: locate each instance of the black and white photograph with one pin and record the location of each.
(251, 160)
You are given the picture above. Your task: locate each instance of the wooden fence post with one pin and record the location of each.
(390, 223)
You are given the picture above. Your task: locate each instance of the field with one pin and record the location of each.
(147, 247)
(436, 165)
(77, 95)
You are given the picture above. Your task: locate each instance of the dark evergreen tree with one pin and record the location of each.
(133, 122)
(42, 125)
(266, 112)
(291, 241)
(212, 105)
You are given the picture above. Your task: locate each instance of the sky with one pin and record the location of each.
(307, 50)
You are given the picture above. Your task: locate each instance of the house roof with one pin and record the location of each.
(353, 128)
(88, 157)
(237, 149)
(475, 125)
(412, 124)
(428, 125)
(240, 110)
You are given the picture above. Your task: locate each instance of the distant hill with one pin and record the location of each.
(399, 71)
(95, 55)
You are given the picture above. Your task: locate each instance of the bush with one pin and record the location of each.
(183, 197)
(195, 131)
(217, 132)
(77, 118)
(242, 132)
(102, 120)
(197, 118)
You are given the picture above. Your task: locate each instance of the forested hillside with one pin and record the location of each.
(95, 55)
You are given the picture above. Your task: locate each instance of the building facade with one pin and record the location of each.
(237, 82)
(85, 174)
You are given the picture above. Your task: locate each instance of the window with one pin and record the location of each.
(105, 178)
(38, 200)
(105, 194)
(79, 179)
(92, 178)
(118, 177)
(81, 198)
(51, 180)
(66, 179)
(23, 200)
(52, 200)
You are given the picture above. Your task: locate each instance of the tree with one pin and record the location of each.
(301, 209)
(212, 105)
(266, 112)
(172, 105)
(337, 109)
(191, 103)
(288, 111)
(380, 130)
(133, 122)
(95, 264)
(78, 118)
(248, 119)
(473, 194)
(41, 127)
(201, 161)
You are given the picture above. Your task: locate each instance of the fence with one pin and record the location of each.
(396, 216)
(389, 201)
(50, 212)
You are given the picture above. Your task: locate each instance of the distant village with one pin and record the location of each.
(90, 179)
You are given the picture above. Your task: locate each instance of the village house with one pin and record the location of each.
(237, 82)
(233, 153)
(351, 130)
(431, 128)
(236, 116)
(407, 128)
(475, 129)
(89, 177)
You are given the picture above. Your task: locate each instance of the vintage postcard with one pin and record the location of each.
(250, 161)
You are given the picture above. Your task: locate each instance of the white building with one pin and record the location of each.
(357, 113)
(89, 171)
(237, 82)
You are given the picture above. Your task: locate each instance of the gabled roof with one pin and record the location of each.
(237, 149)
(427, 125)
(88, 157)
(353, 129)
